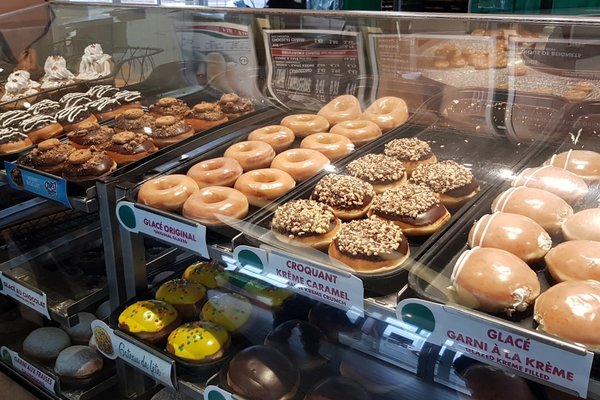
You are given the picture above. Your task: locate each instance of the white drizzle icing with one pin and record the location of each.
(127, 96)
(42, 106)
(37, 121)
(71, 114)
(10, 135)
(74, 99)
(505, 198)
(486, 226)
(460, 263)
(103, 103)
(100, 90)
(13, 118)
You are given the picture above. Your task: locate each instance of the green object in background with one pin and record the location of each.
(506, 6)
(366, 5)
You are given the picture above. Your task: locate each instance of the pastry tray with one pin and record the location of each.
(430, 279)
(494, 154)
(217, 147)
(196, 372)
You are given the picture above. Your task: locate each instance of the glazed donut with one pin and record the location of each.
(331, 145)
(387, 112)
(574, 260)
(584, 225)
(278, 136)
(562, 183)
(262, 186)
(167, 192)
(342, 108)
(208, 204)
(221, 171)
(251, 154)
(301, 164)
(360, 132)
(305, 124)
(583, 163)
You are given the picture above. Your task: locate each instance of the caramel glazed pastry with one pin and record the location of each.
(416, 209)
(454, 183)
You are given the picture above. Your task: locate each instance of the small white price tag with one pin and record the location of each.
(529, 353)
(113, 346)
(36, 300)
(177, 233)
(28, 370)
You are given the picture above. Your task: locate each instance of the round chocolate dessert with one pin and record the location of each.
(90, 134)
(348, 196)
(135, 120)
(411, 151)
(88, 164)
(381, 171)
(262, 373)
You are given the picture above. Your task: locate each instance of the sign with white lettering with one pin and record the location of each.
(38, 183)
(191, 236)
(25, 368)
(152, 364)
(36, 300)
(528, 353)
(337, 288)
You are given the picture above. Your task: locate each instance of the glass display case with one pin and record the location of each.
(255, 204)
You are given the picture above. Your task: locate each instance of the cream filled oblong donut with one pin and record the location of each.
(570, 310)
(262, 186)
(331, 145)
(342, 108)
(583, 163)
(216, 205)
(387, 112)
(167, 192)
(304, 125)
(494, 280)
(278, 136)
(584, 225)
(545, 208)
(221, 171)
(301, 164)
(514, 233)
(360, 132)
(251, 154)
(562, 183)
(573, 260)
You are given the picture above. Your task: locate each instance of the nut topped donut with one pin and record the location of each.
(90, 134)
(278, 136)
(126, 147)
(370, 245)
(88, 164)
(342, 108)
(566, 185)
(411, 151)
(235, 106)
(221, 171)
(169, 106)
(381, 171)
(387, 112)
(453, 182)
(360, 132)
(348, 196)
(135, 120)
(262, 186)
(50, 156)
(331, 145)
(416, 209)
(301, 164)
(517, 234)
(168, 130)
(251, 154)
(305, 222)
(304, 125)
(167, 192)
(583, 163)
(205, 115)
(216, 205)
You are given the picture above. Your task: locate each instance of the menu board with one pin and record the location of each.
(307, 68)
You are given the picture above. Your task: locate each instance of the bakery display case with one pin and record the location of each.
(291, 204)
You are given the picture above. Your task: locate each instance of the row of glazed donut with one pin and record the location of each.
(526, 219)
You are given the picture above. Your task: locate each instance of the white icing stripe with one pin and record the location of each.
(71, 114)
(460, 263)
(488, 224)
(127, 96)
(100, 90)
(536, 170)
(103, 103)
(37, 121)
(553, 159)
(568, 159)
(505, 198)
(11, 118)
(42, 106)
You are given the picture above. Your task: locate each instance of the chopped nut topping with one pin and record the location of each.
(409, 149)
(343, 192)
(409, 200)
(375, 168)
(303, 218)
(442, 177)
(372, 237)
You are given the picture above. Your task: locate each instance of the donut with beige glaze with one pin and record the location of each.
(342, 108)
(583, 163)
(584, 225)
(562, 183)
(574, 260)
(387, 112)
